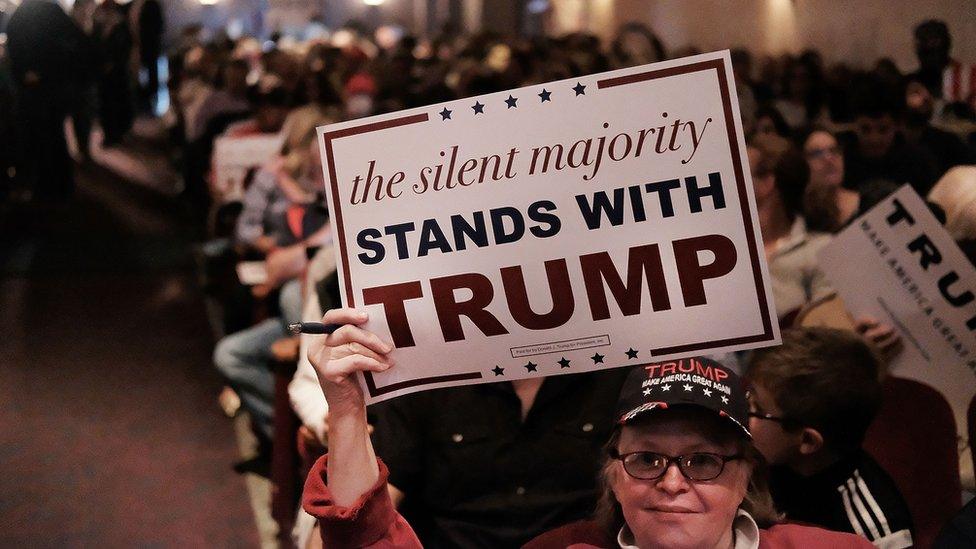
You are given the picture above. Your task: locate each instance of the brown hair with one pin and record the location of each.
(822, 378)
(779, 158)
(820, 208)
(758, 501)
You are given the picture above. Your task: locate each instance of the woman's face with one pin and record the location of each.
(673, 511)
(825, 158)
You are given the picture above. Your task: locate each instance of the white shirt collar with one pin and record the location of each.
(796, 237)
(743, 526)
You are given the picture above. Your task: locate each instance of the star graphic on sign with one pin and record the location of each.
(579, 89)
(445, 114)
(708, 392)
(530, 366)
(478, 108)
(631, 353)
(725, 400)
(666, 387)
(647, 392)
(545, 95)
(563, 363)
(687, 387)
(597, 358)
(511, 101)
(499, 371)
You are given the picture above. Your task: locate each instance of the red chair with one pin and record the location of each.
(914, 439)
(971, 420)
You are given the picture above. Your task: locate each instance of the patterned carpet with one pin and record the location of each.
(110, 435)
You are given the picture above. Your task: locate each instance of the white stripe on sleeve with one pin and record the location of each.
(846, 497)
(866, 495)
(862, 510)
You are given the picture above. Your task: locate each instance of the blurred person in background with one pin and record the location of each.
(359, 96)
(147, 26)
(43, 45)
(779, 176)
(636, 44)
(802, 99)
(945, 78)
(768, 121)
(245, 357)
(84, 105)
(201, 68)
(742, 71)
(113, 44)
(877, 148)
(229, 98)
(323, 106)
(946, 148)
(828, 205)
(7, 123)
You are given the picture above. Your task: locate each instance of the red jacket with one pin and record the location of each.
(373, 522)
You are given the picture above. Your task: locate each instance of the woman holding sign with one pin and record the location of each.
(681, 469)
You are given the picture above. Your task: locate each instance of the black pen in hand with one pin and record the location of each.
(313, 328)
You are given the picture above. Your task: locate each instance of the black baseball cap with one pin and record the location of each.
(697, 381)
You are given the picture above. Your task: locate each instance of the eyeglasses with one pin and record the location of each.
(758, 413)
(819, 154)
(697, 466)
(770, 417)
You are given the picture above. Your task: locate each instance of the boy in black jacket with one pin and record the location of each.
(812, 400)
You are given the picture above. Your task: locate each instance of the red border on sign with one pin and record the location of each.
(718, 66)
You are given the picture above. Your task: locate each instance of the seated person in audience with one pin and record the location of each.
(270, 107)
(946, 148)
(294, 179)
(229, 97)
(770, 122)
(200, 69)
(244, 360)
(270, 101)
(812, 400)
(828, 205)
(944, 77)
(244, 357)
(324, 105)
(877, 149)
(489, 465)
(779, 177)
(680, 469)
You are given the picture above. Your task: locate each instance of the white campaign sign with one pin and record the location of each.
(557, 228)
(898, 264)
(234, 156)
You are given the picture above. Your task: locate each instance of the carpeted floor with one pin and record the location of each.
(110, 435)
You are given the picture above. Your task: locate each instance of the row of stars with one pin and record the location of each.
(512, 102)
(597, 358)
(687, 387)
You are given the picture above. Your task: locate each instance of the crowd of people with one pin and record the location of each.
(826, 142)
(825, 145)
